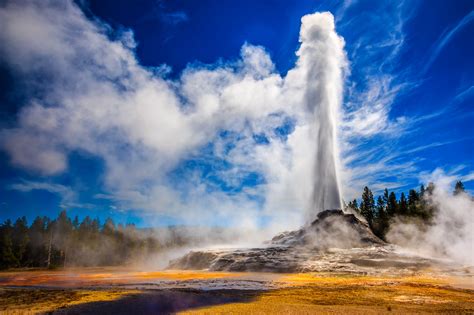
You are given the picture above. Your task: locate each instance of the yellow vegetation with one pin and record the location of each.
(95, 276)
(184, 275)
(31, 301)
(325, 294)
(307, 293)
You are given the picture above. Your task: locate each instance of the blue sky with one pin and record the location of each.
(406, 114)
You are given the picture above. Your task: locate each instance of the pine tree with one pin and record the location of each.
(353, 205)
(422, 204)
(95, 226)
(7, 256)
(20, 240)
(37, 246)
(386, 196)
(413, 199)
(381, 222)
(380, 204)
(459, 188)
(422, 191)
(63, 232)
(109, 227)
(367, 205)
(402, 206)
(75, 223)
(430, 189)
(392, 206)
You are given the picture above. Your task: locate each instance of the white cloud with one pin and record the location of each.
(68, 196)
(445, 180)
(175, 17)
(370, 109)
(94, 97)
(445, 38)
(372, 137)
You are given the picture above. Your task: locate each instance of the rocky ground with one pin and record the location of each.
(334, 242)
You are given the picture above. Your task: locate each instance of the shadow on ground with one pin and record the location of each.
(161, 302)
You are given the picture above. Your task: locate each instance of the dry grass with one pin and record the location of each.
(32, 301)
(323, 294)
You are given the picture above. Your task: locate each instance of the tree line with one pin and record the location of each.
(60, 242)
(379, 213)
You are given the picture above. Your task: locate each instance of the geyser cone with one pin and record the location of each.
(296, 251)
(322, 59)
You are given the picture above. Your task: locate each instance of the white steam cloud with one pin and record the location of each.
(451, 235)
(88, 93)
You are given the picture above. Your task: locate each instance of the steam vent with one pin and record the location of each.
(335, 241)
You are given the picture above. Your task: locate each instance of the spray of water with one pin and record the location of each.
(322, 56)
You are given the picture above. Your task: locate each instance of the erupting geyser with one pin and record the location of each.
(331, 240)
(321, 61)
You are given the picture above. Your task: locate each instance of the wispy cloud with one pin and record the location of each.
(161, 13)
(447, 177)
(369, 131)
(174, 17)
(342, 9)
(69, 198)
(375, 81)
(378, 148)
(66, 193)
(445, 38)
(464, 94)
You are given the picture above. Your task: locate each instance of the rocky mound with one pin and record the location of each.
(332, 228)
(300, 250)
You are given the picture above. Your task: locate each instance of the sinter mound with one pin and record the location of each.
(332, 228)
(335, 241)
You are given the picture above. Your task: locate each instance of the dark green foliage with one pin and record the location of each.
(20, 240)
(7, 258)
(386, 196)
(459, 188)
(62, 242)
(419, 206)
(392, 205)
(353, 205)
(381, 221)
(402, 205)
(413, 200)
(37, 248)
(367, 205)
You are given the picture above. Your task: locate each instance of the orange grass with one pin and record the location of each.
(309, 293)
(98, 276)
(33, 301)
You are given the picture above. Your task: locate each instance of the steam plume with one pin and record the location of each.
(323, 60)
(451, 236)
